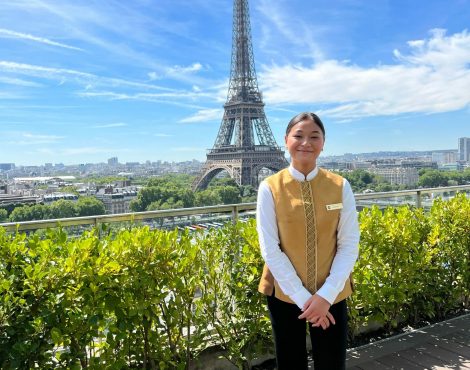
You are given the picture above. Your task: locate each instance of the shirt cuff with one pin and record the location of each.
(301, 297)
(328, 292)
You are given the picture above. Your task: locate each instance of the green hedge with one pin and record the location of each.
(157, 299)
(413, 265)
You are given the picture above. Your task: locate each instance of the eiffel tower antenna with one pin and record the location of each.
(235, 149)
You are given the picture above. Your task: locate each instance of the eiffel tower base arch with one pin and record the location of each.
(242, 167)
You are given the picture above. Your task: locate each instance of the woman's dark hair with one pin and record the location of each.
(305, 116)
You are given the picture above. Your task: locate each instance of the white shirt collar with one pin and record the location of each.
(299, 176)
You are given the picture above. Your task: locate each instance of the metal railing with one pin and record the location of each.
(232, 209)
(417, 193)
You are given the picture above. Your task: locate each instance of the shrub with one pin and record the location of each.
(155, 299)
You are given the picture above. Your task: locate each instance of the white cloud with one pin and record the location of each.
(153, 76)
(162, 135)
(105, 94)
(179, 70)
(18, 82)
(174, 98)
(187, 74)
(43, 72)
(45, 151)
(37, 136)
(89, 80)
(204, 115)
(440, 51)
(300, 33)
(432, 77)
(7, 95)
(27, 138)
(114, 88)
(176, 94)
(42, 40)
(92, 24)
(111, 125)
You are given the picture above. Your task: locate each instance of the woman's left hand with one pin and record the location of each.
(315, 310)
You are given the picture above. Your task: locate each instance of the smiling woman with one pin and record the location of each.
(308, 235)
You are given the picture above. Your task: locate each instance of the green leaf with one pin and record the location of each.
(56, 336)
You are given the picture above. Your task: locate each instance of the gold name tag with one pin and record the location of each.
(331, 207)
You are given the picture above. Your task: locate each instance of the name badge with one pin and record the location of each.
(331, 207)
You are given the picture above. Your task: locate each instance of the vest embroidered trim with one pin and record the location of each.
(311, 236)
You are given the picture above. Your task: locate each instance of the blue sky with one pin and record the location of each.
(85, 80)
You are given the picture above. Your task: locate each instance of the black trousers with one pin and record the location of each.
(328, 346)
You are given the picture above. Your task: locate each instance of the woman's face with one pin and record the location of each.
(305, 142)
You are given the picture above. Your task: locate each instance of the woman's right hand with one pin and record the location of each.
(316, 311)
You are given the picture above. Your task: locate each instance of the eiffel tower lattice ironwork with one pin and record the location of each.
(235, 149)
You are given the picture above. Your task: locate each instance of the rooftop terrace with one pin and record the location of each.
(445, 345)
(96, 292)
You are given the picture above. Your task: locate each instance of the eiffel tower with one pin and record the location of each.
(235, 149)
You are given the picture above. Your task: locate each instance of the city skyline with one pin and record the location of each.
(83, 82)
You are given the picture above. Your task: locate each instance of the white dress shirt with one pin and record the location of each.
(278, 262)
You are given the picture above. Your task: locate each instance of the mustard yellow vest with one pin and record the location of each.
(307, 228)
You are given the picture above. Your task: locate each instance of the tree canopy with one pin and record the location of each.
(361, 180)
(85, 206)
(165, 192)
(3, 215)
(174, 191)
(435, 178)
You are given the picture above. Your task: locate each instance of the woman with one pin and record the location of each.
(309, 235)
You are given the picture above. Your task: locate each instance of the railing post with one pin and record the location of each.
(95, 222)
(234, 214)
(418, 198)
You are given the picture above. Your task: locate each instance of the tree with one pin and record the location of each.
(70, 189)
(62, 209)
(161, 189)
(207, 197)
(188, 198)
(174, 191)
(154, 206)
(172, 204)
(29, 213)
(89, 206)
(172, 180)
(104, 179)
(247, 190)
(135, 205)
(169, 204)
(10, 207)
(3, 215)
(466, 176)
(145, 197)
(382, 187)
(85, 206)
(433, 178)
(229, 194)
(248, 193)
(222, 181)
(361, 180)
